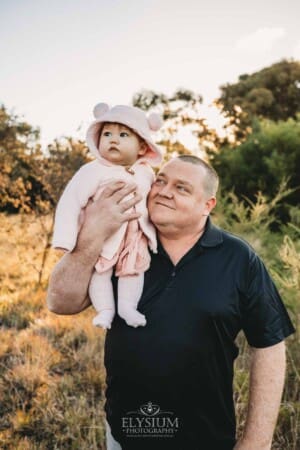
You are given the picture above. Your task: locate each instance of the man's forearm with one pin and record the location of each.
(266, 384)
(69, 281)
(68, 284)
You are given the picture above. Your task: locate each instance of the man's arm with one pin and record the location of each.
(68, 284)
(267, 374)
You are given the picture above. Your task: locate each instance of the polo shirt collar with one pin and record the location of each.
(212, 235)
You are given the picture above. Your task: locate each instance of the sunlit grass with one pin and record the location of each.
(51, 367)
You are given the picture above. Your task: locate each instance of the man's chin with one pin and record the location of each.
(159, 221)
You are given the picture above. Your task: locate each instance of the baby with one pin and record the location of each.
(120, 140)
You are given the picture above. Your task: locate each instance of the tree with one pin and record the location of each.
(20, 157)
(267, 156)
(180, 111)
(31, 180)
(64, 157)
(272, 93)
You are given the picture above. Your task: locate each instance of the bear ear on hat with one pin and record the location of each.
(100, 109)
(155, 122)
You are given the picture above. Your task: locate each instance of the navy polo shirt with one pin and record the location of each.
(169, 384)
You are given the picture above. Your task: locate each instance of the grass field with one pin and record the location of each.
(52, 378)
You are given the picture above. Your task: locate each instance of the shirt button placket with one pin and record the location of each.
(171, 282)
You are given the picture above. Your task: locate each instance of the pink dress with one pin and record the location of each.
(132, 257)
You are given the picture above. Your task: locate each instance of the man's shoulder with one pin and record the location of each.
(236, 242)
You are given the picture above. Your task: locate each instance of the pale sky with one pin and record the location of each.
(61, 57)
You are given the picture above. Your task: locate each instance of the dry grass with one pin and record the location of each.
(51, 367)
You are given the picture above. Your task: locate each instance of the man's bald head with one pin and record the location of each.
(211, 178)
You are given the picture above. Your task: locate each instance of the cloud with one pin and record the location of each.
(261, 40)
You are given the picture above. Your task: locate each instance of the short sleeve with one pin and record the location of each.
(265, 320)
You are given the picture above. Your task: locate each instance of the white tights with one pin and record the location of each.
(130, 289)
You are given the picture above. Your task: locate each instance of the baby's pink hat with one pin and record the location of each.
(133, 118)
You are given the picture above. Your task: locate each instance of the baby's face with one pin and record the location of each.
(120, 145)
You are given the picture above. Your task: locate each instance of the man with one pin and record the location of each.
(169, 384)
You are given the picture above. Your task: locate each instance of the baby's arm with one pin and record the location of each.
(75, 197)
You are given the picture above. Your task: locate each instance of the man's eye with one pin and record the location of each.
(182, 188)
(124, 134)
(159, 181)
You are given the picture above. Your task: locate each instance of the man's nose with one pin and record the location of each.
(166, 192)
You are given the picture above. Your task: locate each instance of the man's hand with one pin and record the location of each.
(105, 215)
(68, 284)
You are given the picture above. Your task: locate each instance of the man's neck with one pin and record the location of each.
(177, 245)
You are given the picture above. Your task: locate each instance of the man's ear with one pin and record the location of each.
(210, 204)
(143, 148)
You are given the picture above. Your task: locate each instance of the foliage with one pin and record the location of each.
(180, 111)
(29, 179)
(272, 93)
(268, 156)
(64, 158)
(248, 216)
(20, 183)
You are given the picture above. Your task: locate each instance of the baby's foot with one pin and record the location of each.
(132, 317)
(104, 319)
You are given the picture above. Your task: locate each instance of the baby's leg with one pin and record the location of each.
(102, 297)
(129, 293)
